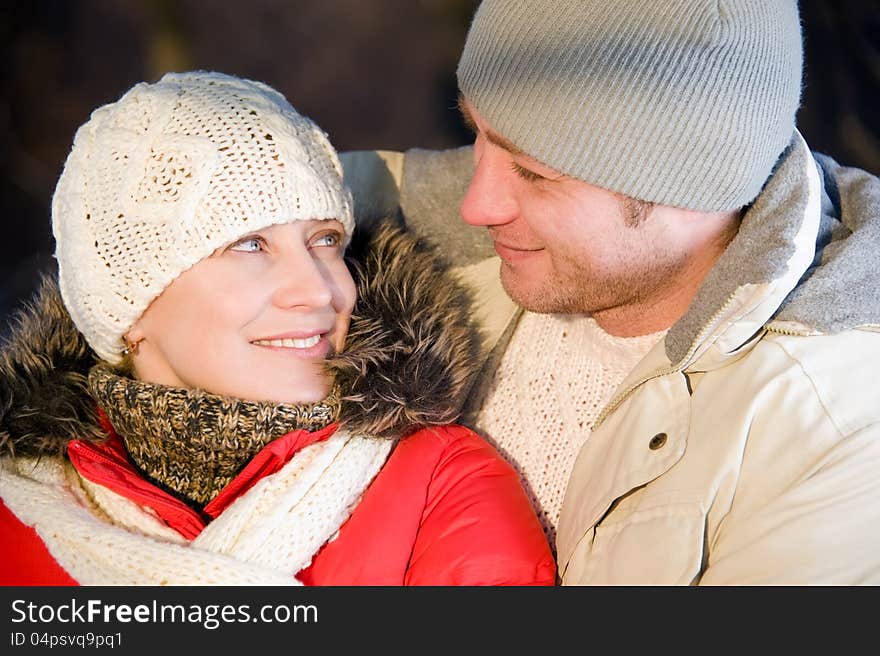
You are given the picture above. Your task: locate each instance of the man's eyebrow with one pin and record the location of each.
(466, 117)
(493, 137)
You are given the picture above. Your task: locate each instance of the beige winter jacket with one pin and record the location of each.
(745, 447)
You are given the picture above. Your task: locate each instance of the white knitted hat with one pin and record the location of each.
(158, 180)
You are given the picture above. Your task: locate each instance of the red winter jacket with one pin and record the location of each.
(445, 509)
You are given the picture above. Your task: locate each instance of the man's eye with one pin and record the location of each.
(248, 245)
(525, 173)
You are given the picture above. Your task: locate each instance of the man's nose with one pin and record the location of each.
(301, 281)
(489, 199)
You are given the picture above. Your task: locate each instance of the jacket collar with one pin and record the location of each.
(108, 464)
(774, 247)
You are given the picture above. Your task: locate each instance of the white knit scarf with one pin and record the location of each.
(264, 537)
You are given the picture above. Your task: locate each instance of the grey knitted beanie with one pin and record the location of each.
(677, 102)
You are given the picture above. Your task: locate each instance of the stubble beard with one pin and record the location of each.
(573, 287)
(553, 295)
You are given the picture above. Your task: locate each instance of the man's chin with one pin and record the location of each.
(541, 297)
(527, 294)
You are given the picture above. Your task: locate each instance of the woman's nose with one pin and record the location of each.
(301, 281)
(489, 200)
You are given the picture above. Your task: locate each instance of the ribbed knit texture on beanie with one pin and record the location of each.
(677, 102)
(158, 180)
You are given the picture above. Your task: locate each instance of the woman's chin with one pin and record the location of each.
(289, 385)
(303, 394)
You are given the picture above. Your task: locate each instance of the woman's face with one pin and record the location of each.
(254, 320)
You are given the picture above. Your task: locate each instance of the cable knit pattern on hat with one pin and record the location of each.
(158, 180)
(567, 368)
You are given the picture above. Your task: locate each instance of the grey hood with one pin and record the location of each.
(807, 243)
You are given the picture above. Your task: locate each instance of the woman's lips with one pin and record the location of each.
(316, 346)
(290, 342)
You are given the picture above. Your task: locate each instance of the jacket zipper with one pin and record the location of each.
(872, 327)
(791, 332)
(154, 499)
(93, 453)
(619, 398)
(611, 406)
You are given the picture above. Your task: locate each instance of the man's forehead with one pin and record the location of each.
(472, 119)
(470, 116)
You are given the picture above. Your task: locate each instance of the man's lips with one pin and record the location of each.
(511, 252)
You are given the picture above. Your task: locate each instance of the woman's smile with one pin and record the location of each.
(313, 347)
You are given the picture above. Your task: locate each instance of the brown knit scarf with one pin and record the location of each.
(190, 442)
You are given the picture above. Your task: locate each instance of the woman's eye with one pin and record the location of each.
(525, 173)
(248, 245)
(331, 239)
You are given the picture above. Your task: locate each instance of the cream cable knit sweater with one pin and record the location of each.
(554, 378)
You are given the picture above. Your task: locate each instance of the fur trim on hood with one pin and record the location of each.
(411, 354)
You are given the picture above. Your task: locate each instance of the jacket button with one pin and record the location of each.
(657, 441)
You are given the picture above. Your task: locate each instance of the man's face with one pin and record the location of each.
(566, 245)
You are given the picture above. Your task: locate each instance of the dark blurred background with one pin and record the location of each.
(372, 73)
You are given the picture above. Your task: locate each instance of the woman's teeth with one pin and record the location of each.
(288, 342)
